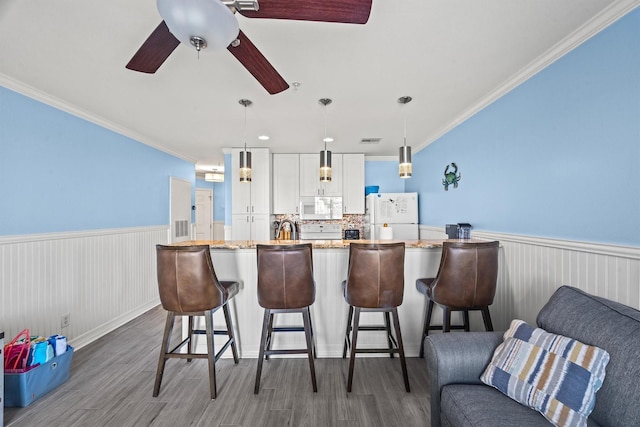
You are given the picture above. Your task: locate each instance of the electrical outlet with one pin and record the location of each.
(65, 320)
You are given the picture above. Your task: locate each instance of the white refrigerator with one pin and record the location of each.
(398, 210)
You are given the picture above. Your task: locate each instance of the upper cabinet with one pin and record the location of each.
(251, 201)
(251, 197)
(353, 183)
(286, 176)
(310, 184)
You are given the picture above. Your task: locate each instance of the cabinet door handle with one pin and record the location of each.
(296, 209)
(253, 219)
(247, 218)
(252, 209)
(247, 208)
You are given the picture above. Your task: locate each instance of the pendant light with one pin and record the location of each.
(245, 156)
(404, 160)
(325, 155)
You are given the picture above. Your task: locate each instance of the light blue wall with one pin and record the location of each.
(61, 173)
(218, 197)
(384, 174)
(559, 156)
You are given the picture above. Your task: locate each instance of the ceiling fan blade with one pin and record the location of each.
(154, 51)
(255, 62)
(346, 11)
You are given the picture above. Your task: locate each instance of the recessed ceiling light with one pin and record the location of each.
(263, 137)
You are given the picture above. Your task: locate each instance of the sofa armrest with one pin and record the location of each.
(456, 358)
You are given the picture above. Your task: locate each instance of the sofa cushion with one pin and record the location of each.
(480, 406)
(611, 326)
(553, 374)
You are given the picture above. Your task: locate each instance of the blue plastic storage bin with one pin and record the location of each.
(24, 388)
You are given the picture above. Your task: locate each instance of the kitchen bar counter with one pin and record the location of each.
(236, 260)
(317, 244)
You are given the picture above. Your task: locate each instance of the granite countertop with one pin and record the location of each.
(317, 244)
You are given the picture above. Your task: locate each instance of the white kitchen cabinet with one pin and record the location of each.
(250, 227)
(310, 184)
(251, 201)
(286, 178)
(353, 183)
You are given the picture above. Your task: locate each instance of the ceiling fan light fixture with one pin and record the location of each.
(405, 167)
(200, 23)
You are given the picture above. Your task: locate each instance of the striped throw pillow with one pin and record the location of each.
(553, 374)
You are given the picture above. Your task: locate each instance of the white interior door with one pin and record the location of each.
(204, 214)
(180, 210)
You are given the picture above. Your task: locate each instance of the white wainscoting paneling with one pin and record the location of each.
(101, 278)
(532, 268)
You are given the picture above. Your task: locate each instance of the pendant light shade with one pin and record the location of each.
(245, 156)
(325, 155)
(404, 158)
(325, 165)
(245, 165)
(404, 162)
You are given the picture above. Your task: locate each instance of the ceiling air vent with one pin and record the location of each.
(370, 140)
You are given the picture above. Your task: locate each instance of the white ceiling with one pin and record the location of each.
(452, 57)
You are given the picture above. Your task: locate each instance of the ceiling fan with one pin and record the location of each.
(216, 17)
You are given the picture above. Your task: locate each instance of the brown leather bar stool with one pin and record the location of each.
(375, 283)
(189, 287)
(466, 280)
(285, 285)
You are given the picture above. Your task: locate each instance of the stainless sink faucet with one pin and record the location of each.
(294, 229)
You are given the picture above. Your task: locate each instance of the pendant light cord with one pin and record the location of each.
(404, 113)
(325, 127)
(244, 136)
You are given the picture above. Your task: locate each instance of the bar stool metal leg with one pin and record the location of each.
(387, 326)
(263, 342)
(211, 353)
(347, 340)
(354, 340)
(232, 337)
(403, 363)
(168, 329)
(306, 318)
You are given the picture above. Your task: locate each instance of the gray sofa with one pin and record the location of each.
(455, 362)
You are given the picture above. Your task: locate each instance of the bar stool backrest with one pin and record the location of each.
(187, 281)
(285, 276)
(376, 275)
(467, 275)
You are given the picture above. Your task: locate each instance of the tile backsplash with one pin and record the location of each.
(350, 221)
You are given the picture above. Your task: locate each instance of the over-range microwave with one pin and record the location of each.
(319, 207)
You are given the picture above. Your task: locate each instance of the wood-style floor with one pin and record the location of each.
(112, 379)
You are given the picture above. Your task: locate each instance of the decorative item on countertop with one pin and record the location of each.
(451, 177)
(464, 230)
(461, 230)
(386, 232)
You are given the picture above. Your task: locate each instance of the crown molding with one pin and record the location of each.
(45, 98)
(592, 27)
